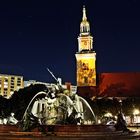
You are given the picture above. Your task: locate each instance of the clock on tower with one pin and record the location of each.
(86, 57)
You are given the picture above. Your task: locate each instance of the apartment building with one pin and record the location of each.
(9, 84)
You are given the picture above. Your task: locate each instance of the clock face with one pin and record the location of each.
(84, 44)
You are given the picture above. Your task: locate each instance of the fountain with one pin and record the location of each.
(57, 106)
(59, 111)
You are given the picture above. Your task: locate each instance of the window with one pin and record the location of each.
(12, 79)
(12, 89)
(6, 80)
(12, 86)
(5, 93)
(5, 89)
(18, 84)
(19, 79)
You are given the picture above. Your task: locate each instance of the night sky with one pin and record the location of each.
(35, 35)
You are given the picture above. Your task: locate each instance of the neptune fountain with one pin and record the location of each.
(57, 106)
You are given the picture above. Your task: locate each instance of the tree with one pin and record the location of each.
(20, 99)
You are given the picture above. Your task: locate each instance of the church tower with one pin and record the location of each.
(85, 57)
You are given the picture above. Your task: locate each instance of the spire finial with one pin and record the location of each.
(84, 26)
(84, 14)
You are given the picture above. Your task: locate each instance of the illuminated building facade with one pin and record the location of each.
(9, 84)
(86, 57)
